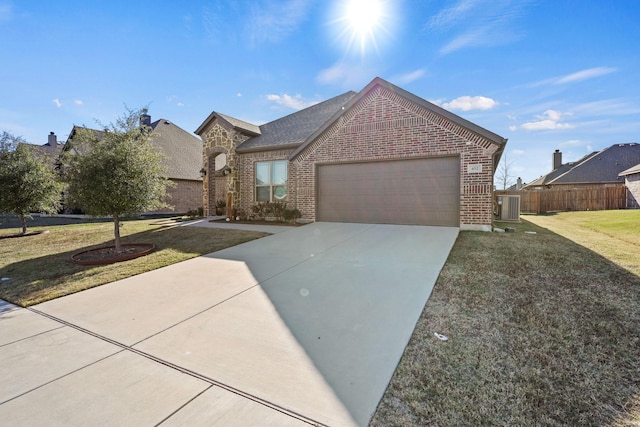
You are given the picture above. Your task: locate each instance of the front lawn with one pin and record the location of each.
(38, 267)
(542, 332)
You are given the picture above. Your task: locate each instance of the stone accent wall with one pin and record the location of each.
(385, 126)
(246, 168)
(184, 196)
(633, 190)
(217, 139)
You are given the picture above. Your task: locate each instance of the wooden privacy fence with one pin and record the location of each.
(569, 199)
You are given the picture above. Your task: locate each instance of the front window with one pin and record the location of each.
(271, 181)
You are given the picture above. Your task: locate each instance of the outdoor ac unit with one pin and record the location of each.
(509, 208)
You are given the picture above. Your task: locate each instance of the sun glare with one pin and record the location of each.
(362, 23)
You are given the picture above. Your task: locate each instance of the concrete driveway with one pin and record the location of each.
(302, 327)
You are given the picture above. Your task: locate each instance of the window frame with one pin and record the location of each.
(271, 185)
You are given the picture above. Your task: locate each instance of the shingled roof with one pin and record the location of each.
(183, 151)
(548, 178)
(601, 167)
(292, 130)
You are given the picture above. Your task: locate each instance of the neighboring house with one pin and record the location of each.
(600, 168)
(51, 150)
(382, 155)
(632, 181)
(183, 160)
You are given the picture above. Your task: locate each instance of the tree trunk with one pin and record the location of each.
(116, 232)
(23, 221)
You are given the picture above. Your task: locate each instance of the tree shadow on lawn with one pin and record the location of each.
(40, 279)
(542, 331)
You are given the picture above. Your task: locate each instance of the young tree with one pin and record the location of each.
(116, 172)
(504, 178)
(28, 182)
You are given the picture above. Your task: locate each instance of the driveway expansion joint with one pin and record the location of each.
(170, 365)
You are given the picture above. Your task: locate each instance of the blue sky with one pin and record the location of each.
(545, 74)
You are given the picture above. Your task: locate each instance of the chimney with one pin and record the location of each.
(52, 140)
(519, 184)
(557, 159)
(145, 120)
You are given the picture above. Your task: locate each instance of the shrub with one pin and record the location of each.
(290, 215)
(277, 211)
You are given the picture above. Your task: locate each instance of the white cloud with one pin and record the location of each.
(589, 73)
(407, 78)
(78, 102)
(549, 120)
(272, 21)
(467, 103)
(452, 15)
(57, 102)
(346, 75)
(618, 107)
(295, 102)
(238, 94)
(584, 75)
(180, 104)
(513, 128)
(517, 152)
(482, 23)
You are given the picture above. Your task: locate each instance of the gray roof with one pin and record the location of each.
(600, 167)
(52, 153)
(633, 170)
(292, 130)
(183, 151)
(564, 168)
(241, 125)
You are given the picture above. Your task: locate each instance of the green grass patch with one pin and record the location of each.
(39, 266)
(614, 234)
(542, 331)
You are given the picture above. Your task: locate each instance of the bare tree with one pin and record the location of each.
(503, 177)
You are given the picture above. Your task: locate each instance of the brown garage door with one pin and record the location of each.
(416, 191)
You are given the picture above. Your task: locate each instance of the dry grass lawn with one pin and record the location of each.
(39, 269)
(543, 331)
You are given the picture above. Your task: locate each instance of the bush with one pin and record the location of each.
(290, 215)
(277, 211)
(195, 213)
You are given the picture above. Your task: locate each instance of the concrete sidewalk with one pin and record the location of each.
(302, 327)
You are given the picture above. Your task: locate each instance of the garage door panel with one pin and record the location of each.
(415, 191)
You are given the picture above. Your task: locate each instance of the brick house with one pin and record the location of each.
(182, 158)
(632, 181)
(597, 169)
(382, 155)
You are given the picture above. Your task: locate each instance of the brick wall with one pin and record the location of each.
(246, 171)
(185, 196)
(384, 126)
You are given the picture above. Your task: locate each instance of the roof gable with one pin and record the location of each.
(453, 120)
(237, 124)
